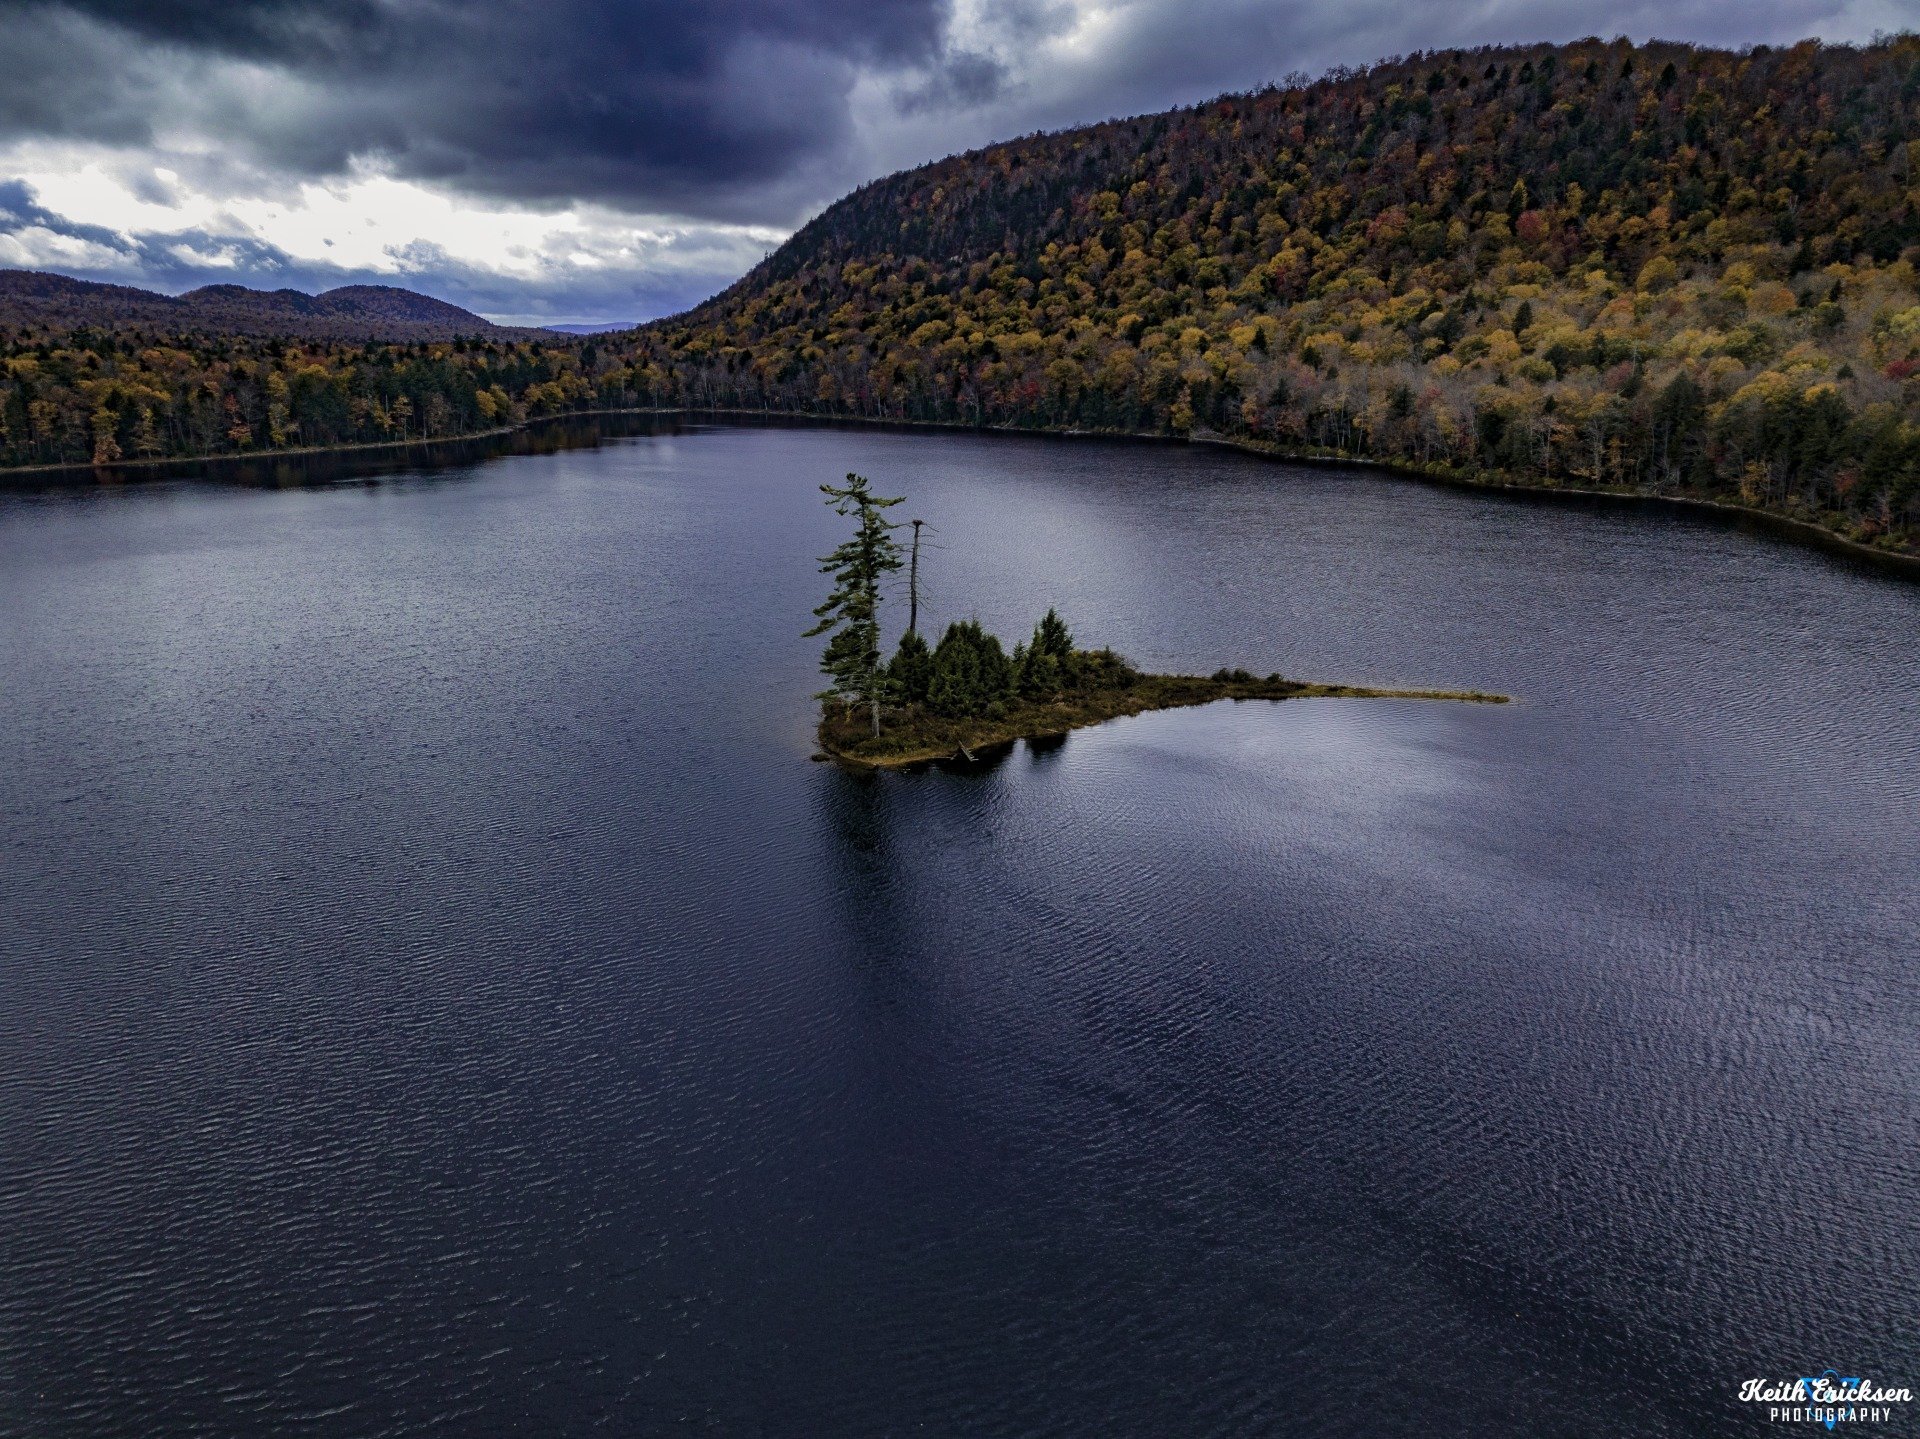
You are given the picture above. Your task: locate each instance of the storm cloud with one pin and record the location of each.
(708, 127)
(699, 107)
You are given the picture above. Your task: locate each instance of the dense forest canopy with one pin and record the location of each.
(108, 396)
(1654, 267)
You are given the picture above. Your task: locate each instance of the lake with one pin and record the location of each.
(441, 996)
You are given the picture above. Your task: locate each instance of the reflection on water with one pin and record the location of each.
(439, 992)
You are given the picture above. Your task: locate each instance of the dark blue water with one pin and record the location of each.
(440, 996)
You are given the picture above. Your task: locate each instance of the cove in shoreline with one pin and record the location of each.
(846, 735)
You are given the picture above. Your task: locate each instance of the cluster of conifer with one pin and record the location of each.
(970, 675)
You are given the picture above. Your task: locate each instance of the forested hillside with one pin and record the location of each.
(105, 374)
(1656, 267)
(106, 397)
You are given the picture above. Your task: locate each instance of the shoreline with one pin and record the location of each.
(1809, 533)
(930, 739)
(255, 457)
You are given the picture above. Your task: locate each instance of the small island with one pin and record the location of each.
(968, 694)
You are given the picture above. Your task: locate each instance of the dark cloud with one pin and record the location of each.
(967, 79)
(68, 78)
(705, 107)
(260, 29)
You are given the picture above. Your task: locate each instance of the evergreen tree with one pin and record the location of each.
(912, 669)
(1679, 425)
(954, 688)
(1040, 666)
(850, 617)
(1051, 636)
(970, 671)
(1037, 672)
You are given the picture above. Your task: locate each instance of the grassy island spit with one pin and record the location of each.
(914, 736)
(968, 693)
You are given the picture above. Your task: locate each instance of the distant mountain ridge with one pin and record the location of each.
(351, 312)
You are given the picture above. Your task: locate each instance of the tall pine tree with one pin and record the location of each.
(850, 618)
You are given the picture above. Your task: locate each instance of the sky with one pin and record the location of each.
(599, 160)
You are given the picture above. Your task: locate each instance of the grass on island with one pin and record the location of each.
(917, 734)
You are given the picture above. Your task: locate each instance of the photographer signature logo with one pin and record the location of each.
(1828, 1398)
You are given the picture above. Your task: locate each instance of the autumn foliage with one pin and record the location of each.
(107, 396)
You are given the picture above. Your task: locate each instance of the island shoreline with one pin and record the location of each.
(928, 740)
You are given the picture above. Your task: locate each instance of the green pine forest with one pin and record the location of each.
(1657, 268)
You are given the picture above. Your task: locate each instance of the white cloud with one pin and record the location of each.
(36, 247)
(206, 257)
(368, 224)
